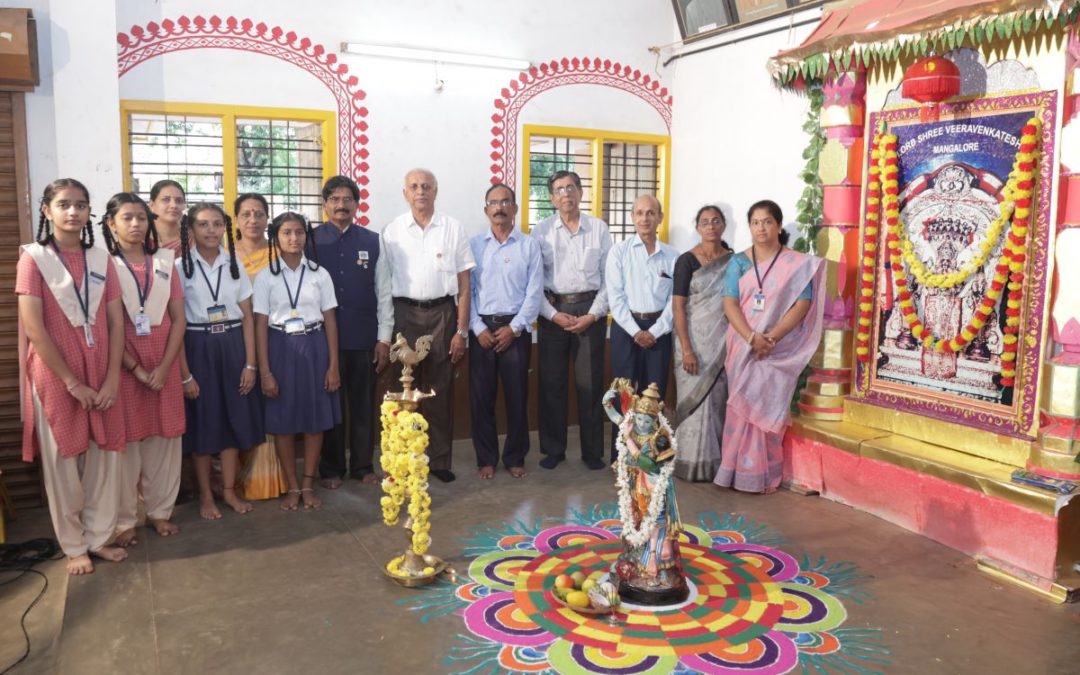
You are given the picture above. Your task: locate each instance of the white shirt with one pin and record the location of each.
(574, 263)
(424, 262)
(313, 291)
(198, 294)
(638, 281)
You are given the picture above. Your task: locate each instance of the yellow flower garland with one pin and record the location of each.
(404, 461)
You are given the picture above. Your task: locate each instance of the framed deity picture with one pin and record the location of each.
(959, 265)
(750, 10)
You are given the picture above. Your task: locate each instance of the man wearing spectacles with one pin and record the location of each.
(429, 258)
(572, 322)
(507, 287)
(365, 314)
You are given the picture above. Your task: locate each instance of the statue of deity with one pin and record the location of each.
(650, 567)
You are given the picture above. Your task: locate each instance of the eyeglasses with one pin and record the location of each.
(715, 222)
(252, 215)
(499, 202)
(345, 201)
(565, 190)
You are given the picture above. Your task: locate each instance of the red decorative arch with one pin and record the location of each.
(538, 79)
(141, 44)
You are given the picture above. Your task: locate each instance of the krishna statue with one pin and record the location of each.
(650, 567)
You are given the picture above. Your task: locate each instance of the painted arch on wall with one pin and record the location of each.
(142, 43)
(567, 71)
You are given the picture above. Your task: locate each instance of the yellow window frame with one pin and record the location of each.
(228, 115)
(597, 137)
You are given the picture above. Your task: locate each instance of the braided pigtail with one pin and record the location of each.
(185, 250)
(309, 244)
(275, 260)
(110, 242)
(234, 269)
(86, 239)
(44, 230)
(151, 244)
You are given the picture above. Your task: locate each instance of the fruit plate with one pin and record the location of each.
(583, 610)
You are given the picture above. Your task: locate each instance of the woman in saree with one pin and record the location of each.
(262, 476)
(701, 331)
(772, 299)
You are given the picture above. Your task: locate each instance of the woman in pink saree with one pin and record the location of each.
(772, 299)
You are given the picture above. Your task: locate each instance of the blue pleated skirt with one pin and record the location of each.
(220, 417)
(299, 364)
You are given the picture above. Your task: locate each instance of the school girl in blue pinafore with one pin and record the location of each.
(297, 338)
(217, 366)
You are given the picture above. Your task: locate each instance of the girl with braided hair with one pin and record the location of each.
(297, 343)
(223, 416)
(150, 390)
(72, 315)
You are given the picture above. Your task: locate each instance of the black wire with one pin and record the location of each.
(22, 557)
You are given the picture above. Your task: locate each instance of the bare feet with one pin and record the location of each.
(208, 510)
(371, 479)
(110, 553)
(126, 538)
(291, 501)
(80, 565)
(164, 527)
(333, 483)
(486, 472)
(309, 498)
(517, 471)
(237, 504)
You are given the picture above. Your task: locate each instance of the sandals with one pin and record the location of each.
(303, 497)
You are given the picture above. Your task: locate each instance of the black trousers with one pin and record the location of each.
(558, 348)
(357, 428)
(641, 366)
(486, 369)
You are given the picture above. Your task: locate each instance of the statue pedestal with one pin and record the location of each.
(668, 587)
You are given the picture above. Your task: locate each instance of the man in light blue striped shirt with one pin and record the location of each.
(639, 278)
(507, 287)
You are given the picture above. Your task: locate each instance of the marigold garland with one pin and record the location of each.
(1009, 272)
(404, 461)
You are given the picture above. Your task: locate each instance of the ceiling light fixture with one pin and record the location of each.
(414, 54)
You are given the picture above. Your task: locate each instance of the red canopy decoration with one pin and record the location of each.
(931, 81)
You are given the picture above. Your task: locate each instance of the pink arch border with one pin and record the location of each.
(140, 44)
(567, 71)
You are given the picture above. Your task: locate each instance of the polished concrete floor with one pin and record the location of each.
(274, 592)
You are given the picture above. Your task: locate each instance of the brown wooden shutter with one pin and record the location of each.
(22, 480)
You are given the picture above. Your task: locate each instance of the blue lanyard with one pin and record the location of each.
(146, 280)
(84, 304)
(293, 302)
(761, 277)
(214, 290)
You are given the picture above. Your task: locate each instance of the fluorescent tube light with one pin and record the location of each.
(413, 54)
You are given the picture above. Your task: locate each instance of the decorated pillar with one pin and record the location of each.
(840, 171)
(1056, 451)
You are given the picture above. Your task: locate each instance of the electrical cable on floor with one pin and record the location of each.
(22, 558)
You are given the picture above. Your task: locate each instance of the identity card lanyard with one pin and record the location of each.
(84, 304)
(142, 321)
(295, 323)
(215, 313)
(759, 297)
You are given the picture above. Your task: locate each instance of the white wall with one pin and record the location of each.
(736, 138)
(448, 131)
(73, 129)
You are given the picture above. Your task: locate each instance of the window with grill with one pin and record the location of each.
(615, 168)
(219, 152)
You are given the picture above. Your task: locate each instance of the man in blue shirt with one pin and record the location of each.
(507, 286)
(365, 315)
(639, 278)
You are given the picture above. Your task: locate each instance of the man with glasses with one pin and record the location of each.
(507, 287)
(573, 315)
(365, 315)
(429, 259)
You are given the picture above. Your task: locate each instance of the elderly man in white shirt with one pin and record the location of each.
(575, 247)
(429, 258)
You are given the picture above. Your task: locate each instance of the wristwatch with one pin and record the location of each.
(517, 332)
(463, 334)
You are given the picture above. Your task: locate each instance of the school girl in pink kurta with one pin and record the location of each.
(72, 426)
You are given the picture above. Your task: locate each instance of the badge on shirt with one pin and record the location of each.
(142, 324)
(216, 314)
(88, 331)
(162, 273)
(362, 258)
(759, 302)
(295, 326)
(97, 278)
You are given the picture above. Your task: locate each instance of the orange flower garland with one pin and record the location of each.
(866, 274)
(1009, 272)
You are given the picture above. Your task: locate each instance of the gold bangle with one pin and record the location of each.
(750, 340)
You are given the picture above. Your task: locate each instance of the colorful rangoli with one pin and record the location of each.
(752, 608)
